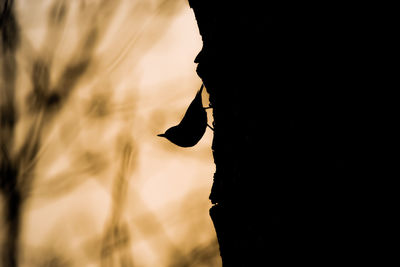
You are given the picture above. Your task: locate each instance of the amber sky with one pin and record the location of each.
(106, 189)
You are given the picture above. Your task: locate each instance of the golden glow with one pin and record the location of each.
(106, 191)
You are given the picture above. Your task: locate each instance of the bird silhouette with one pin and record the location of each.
(192, 126)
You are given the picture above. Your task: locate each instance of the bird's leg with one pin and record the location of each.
(207, 107)
(210, 127)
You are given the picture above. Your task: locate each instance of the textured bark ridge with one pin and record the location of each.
(290, 131)
(226, 65)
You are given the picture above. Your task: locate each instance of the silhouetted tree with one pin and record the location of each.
(290, 129)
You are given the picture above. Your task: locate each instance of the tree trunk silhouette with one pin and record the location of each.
(290, 130)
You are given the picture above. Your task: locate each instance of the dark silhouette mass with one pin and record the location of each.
(293, 90)
(192, 127)
(295, 145)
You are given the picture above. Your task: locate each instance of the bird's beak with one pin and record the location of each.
(161, 135)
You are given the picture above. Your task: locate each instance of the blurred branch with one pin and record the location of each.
(8, 167)
(17, 169)
(116, 240)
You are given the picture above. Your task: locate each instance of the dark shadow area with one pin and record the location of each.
(295, 119)
(293, 143)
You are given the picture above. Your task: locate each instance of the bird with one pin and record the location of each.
(192, 126)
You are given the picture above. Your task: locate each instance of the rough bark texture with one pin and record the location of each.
(286, 87)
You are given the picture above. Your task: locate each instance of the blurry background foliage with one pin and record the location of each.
(89, 84)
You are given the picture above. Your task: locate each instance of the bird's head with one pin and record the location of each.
(168, 133)
(175, 135)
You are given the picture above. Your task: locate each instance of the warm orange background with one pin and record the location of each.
(140, 80)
